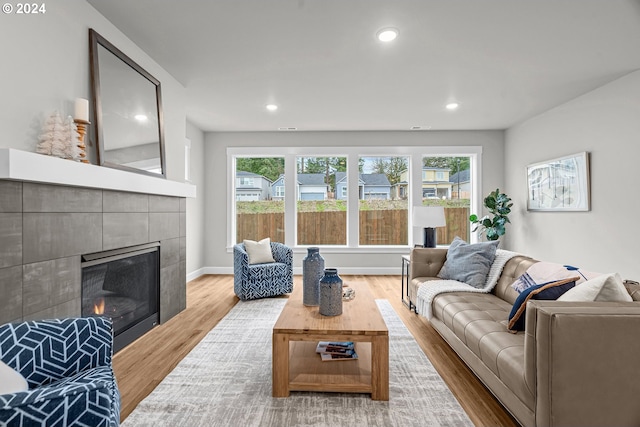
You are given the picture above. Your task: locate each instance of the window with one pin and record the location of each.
(259, 211)
(321, 216)
(383, 215)
(246, 182)
(451, 189)
(314, 196)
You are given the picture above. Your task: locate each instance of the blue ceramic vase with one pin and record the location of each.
(330, 293)
(312, 271)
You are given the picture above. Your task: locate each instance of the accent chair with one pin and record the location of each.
(253, 281)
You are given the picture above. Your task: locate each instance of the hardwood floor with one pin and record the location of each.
(141, 366)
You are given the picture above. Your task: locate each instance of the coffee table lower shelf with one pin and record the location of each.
(297, 367)
(308, 373)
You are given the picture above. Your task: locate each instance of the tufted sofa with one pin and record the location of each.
(67, 365)
(576, 363)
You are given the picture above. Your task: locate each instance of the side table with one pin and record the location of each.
(406, 263)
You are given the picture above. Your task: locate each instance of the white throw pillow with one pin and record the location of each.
(11, 381)
(607, 287)
(259, 252)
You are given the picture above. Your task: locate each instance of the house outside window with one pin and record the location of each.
(321, 218)
(258, 214)
(383, 217)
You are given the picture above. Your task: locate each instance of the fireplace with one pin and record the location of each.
(124, 285)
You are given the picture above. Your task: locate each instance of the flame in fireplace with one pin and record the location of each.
(98, 308)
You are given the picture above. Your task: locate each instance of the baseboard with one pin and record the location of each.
(360, 271)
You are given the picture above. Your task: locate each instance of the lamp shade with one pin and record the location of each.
(428, 216)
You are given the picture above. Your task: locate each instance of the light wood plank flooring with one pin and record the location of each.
(141, 366)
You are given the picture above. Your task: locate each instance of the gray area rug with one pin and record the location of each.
(226, 381)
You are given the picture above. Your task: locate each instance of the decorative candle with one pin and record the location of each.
(82, 109)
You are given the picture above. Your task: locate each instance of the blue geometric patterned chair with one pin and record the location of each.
(253, 281)
(67, 364)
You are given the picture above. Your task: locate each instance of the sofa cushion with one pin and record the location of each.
(480, 322)
(607, 287)
(544, 291)
(469, 263)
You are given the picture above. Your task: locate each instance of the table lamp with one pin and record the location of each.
(429, 217)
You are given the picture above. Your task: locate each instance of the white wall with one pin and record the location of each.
(195, 207)
(606, 123)
(45, 67)
(219, 259)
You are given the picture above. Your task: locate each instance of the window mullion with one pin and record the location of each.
(353, 215)
(290, 200)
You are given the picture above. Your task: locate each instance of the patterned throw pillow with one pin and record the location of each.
(259, 252)
(545, 291)
(469, 263)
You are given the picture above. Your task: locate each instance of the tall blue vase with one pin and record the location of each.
(330, 293)
(312, 271)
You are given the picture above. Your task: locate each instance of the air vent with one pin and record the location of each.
(420, 127)
(287, 128)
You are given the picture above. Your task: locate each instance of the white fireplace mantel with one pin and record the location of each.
(20, 165)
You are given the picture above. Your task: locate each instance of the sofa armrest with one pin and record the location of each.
(426, 262)
(581, 362)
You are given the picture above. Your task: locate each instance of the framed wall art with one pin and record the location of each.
(560, 184)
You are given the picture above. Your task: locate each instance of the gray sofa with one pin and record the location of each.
(576, 363)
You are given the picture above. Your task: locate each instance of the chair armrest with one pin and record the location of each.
(93, 391)
(44, 351)
(282, 253)
(581, 362)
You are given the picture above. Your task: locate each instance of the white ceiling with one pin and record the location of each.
(502, 60)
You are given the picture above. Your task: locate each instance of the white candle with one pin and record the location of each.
(82, 109)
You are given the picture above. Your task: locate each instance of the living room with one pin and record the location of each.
(46, 59)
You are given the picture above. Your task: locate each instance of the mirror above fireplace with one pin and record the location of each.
(127, 111)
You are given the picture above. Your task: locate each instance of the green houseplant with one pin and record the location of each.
(493, 225)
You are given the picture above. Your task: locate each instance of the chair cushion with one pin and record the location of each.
(11, 381)
(259, 252)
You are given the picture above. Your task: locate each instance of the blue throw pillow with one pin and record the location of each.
(469, 263)
(544, 291)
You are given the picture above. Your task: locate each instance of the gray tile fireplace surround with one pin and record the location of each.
(44, 230)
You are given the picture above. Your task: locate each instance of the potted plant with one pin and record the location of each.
(493, 225)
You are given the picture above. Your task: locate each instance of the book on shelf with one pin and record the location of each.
(336, 350)
(331, 357)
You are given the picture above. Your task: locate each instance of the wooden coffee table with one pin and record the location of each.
(297, 367)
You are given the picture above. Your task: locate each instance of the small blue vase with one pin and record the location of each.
(330, 293)
(312, 270)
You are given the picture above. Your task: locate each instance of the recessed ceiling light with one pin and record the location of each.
(271, 107)
(141, 117)
(452, 106)
(387, 34)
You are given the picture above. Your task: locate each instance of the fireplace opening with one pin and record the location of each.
(124, 285)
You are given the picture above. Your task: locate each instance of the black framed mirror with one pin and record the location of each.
(127, 111)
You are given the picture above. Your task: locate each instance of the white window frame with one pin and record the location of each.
(352, 153)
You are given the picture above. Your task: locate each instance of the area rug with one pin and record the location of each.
(226, 381)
